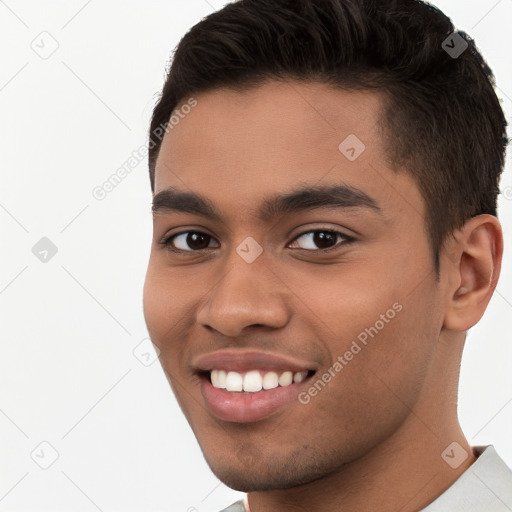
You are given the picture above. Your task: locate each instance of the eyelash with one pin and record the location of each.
(167, 242)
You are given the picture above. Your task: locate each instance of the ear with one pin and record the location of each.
(473, 262)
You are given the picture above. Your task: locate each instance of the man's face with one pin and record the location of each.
(345, 292)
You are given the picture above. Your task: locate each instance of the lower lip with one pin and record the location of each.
(247, 407)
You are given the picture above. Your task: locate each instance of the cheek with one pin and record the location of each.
(383, 382)
(163, 306)
(379, 334)
(164, 301)
(345, 302)
(155, 299)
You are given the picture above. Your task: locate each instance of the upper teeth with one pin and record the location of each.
(254, 380)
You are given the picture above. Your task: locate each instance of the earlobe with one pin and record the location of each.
(474, 267)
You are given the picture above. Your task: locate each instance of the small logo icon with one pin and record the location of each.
(44, 250)
(146, 352)
(454, 455)
(44, 455)
(249, 249)
(246, 456)
(45, 45)
(507, 192)
(352, 147)
(454, 45)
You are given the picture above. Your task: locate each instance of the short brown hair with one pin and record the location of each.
(443, 121)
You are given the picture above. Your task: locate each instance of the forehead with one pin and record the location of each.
(239, 147)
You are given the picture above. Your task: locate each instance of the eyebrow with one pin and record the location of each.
(300, 199)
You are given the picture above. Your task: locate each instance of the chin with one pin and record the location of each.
(242, 475)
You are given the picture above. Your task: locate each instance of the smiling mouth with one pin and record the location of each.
(254, 381)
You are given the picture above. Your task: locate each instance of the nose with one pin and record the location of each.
(248, 294)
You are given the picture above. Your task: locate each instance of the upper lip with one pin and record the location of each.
(241, 361)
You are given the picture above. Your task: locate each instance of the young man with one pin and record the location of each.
(325, 177)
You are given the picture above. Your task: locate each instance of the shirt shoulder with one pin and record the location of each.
(238, 506)
(485, 486)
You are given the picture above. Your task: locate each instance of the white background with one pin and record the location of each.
(69, 326)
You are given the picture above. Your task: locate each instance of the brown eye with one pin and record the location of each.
(188, 241)
(322, 239)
